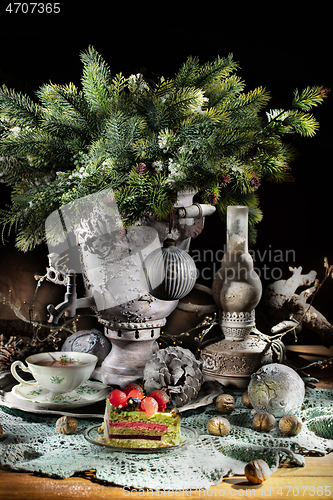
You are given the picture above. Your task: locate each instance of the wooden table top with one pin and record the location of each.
(313, 481)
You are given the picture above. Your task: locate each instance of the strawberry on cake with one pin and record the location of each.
(133, 420)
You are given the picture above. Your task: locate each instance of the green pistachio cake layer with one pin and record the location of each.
(133, 429)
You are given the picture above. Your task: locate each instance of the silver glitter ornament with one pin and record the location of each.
(276, 389)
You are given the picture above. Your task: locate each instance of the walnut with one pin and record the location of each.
(257, 471)
(218, 426)
(263, 422)
(66, 425)
(290, 425)
(246, 400)
(225, 403)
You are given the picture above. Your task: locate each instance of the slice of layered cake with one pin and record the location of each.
(132, 420)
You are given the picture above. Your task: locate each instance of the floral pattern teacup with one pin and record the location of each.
(58, 372)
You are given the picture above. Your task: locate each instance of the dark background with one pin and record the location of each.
(277, 48)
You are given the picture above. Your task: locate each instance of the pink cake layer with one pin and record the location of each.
(140, 425)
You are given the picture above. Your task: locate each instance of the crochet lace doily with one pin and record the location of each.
(31, 443)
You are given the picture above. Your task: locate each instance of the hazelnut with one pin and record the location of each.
(66, 425)
(263, 422)
(257, 471)
(218, 426)
(290, 425)
(225, 403)
(246, 400)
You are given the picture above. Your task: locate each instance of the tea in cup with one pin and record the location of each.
(58, 372)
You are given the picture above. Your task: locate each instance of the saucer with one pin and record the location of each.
(87, 394)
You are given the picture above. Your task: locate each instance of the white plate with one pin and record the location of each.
(87, 394)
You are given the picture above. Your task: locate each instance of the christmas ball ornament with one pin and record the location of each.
(169, 272)
(90, 341)
(276, 389)
(218, 426)
(290, 425)
(225, 403)
(257, 471)
(263, 422)
(66, 425)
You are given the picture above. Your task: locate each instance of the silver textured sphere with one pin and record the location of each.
(277, 389)
(90, 341)
(169, 272)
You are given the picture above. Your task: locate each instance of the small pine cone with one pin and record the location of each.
(141, 169)
(9, 352)
(175, 370)
(212, 199)
(226, 179)
(254, 182)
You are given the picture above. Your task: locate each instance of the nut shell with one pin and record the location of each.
(290, 425)
(246, 400)
(263, 422)
(218, 426)
(257, 471)
(225, 403)
(1, 431)
(66, 425)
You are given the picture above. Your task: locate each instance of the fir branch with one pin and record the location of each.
(39, 146)
(183, 102)
(192, 74)
(66, 110)
(302, 123)
(310, 97)
(19, 108)
(224, 90)
(96, 81)
(120, 134)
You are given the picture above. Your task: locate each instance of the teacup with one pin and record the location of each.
(58, 372)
